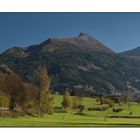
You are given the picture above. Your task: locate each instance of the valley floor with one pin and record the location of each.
(87, 119)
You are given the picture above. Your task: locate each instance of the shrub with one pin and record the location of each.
(81, 107)
(11, 114)
(97, 108)
(117, 109)
(58, 109)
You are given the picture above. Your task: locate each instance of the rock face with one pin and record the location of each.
(5, 69)
(78, 61)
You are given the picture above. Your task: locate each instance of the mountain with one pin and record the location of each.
(134, 53)
(78, 61)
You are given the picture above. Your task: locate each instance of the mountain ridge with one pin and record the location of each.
(81, 60)
(82, 40)
(134, 53)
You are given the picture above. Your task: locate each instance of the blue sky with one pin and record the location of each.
(119, 31)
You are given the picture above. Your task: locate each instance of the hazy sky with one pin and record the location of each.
(119, 31)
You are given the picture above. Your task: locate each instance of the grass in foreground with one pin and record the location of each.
(68, 120)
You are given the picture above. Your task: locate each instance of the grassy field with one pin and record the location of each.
(88, 119)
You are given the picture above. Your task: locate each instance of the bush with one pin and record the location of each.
(97, 108)
(80, 113)
(59, 110)
(81, 107)
(117, 109)
(11, 114)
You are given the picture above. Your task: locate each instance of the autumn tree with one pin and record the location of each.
(106, 100)
(45, 98)
(3, 82)
(13, 86)
(4, 101)
(49, 103)
(67, 102)
(31, 93)
(77, 99)
(126, 99)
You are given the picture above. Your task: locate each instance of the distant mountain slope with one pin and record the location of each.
(81, 60)
(135, 53)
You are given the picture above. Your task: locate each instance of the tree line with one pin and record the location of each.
(15, 93)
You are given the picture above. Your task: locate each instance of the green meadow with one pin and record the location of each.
(85, 119)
